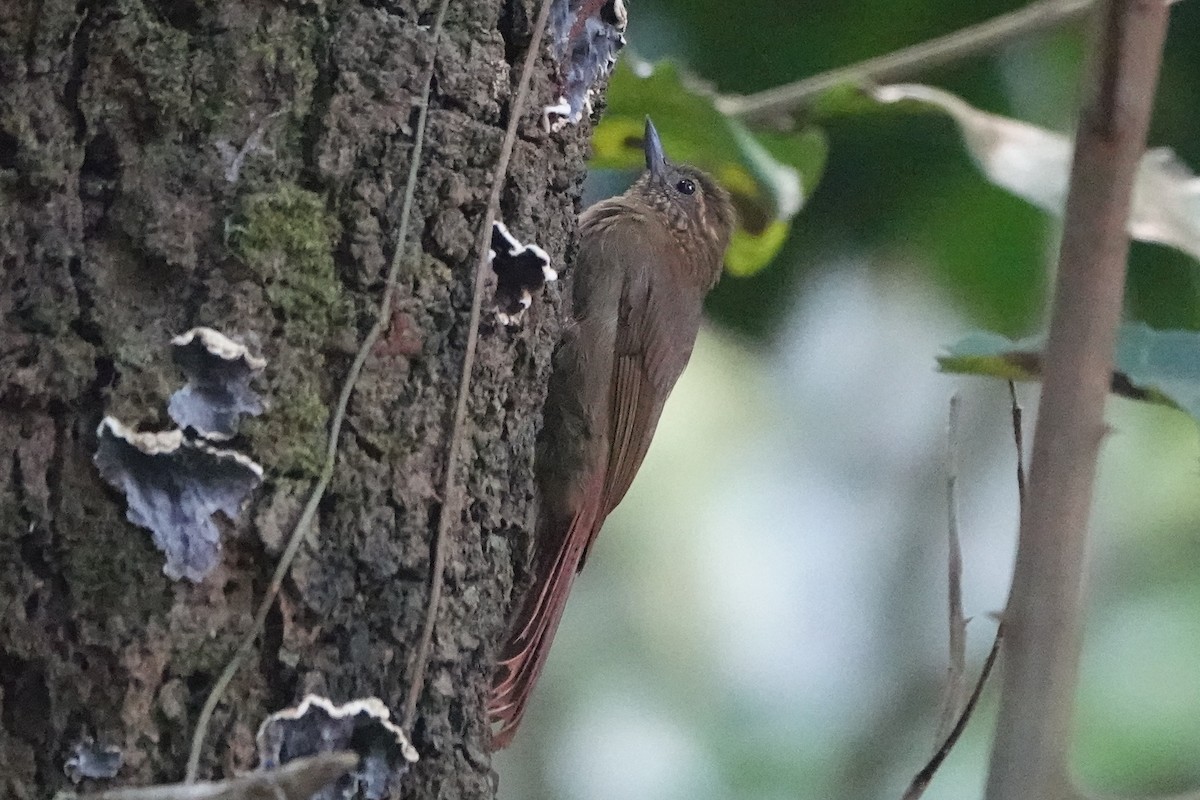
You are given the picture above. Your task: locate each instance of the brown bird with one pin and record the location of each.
(646, 261)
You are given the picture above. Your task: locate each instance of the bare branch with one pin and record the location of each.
(1029, 756)
(922, 779)
(1019, 439)
(956, 688)
(903, 64)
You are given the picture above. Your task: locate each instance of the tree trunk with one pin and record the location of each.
(238, 164)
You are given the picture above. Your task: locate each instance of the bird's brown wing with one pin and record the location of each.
(656, 328)
(654, 342)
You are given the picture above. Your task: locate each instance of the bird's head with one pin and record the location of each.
(692, 205)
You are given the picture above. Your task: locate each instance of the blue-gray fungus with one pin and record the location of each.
(219, 371)
(521, 270)
(586, 36)
(363, 726)
(92, 760)
(173, 486)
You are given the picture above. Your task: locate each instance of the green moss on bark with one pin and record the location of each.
(290, 438)
(286, 238)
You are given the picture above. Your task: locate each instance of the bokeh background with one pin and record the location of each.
(764, 615)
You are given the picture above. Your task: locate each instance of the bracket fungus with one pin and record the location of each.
(586, 36)
(218, 390)
(92, 760)
(173, 486)
(318, 725)
(521, 270)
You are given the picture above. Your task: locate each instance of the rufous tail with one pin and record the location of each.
(533, 629)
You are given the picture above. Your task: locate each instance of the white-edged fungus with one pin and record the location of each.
(586, 36)
(318, 725)
(521, 270)
(173, 486)
(219, 371)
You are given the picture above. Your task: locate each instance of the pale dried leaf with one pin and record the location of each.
(1035, 164)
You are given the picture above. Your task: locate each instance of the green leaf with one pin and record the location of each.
(769, 175)
(1164, 365)
(993, 356)
(1154, 366)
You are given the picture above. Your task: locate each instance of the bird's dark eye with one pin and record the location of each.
(686, 187)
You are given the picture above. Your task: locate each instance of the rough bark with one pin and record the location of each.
(120, 227)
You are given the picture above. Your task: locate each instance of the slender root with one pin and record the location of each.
(451, 500)
(382, 319)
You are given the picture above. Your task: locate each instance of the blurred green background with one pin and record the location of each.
(764, 616)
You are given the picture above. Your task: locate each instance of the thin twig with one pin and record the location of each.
(1019, 440)
(903, 64)
(451, 501)
(956, 672)
(920, 781)
(1043, 618)
(382, 319)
